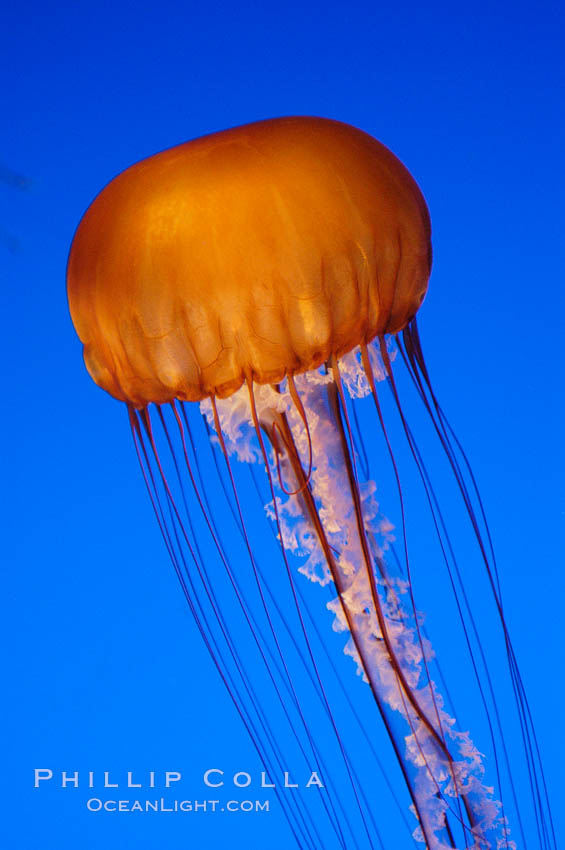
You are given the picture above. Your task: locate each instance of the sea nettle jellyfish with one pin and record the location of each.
(251, 296)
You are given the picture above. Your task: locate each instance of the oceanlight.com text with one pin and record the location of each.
(95, 804)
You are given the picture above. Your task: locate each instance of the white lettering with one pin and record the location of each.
(107, 783)
(264, 783)
(66, 779)
(314, 780)
(207, 778)
(131, 783)
(41, 774)
(244, 782)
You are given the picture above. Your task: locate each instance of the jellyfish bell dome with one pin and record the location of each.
(249, 254)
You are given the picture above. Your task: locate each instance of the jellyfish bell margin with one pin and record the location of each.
(268, 278)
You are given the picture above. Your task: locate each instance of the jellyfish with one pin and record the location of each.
(251, 297)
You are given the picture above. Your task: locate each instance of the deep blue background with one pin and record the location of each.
(102, 664)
